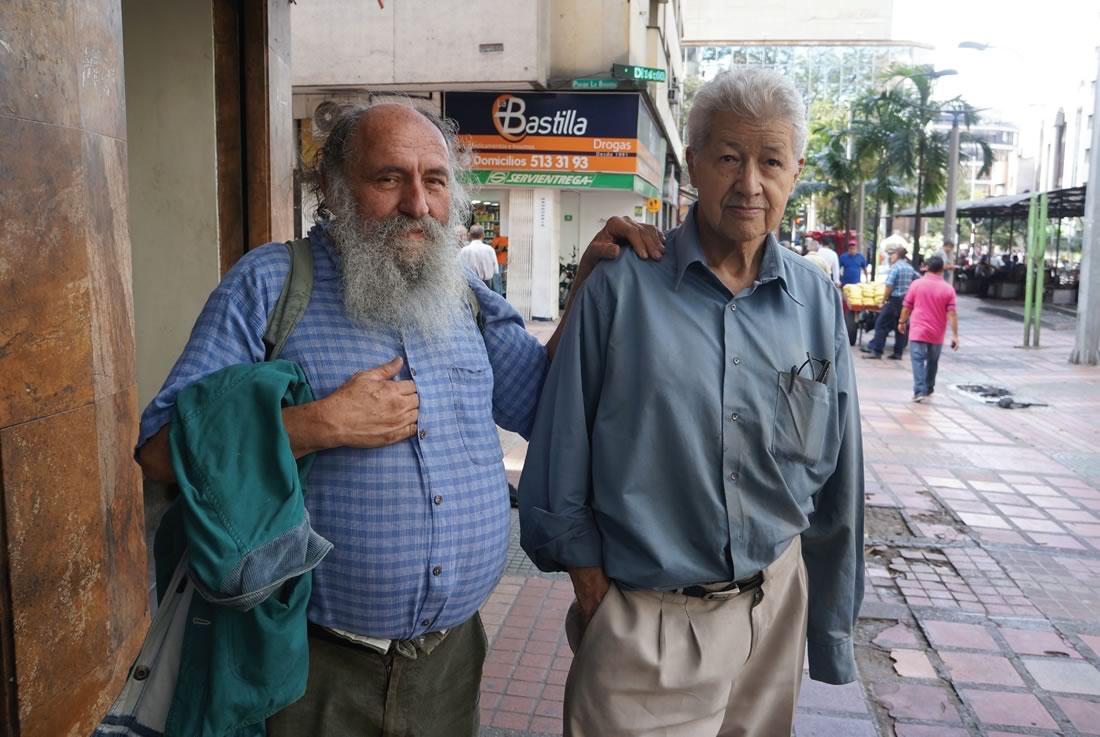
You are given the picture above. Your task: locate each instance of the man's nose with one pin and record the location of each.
(747, 183)
(414, 199)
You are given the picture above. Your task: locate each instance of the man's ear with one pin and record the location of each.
(689, 153)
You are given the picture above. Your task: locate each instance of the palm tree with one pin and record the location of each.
(894, 132)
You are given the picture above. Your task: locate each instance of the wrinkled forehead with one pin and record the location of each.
(732, 130)
(390, 131)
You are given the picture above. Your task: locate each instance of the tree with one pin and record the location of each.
(906, 109)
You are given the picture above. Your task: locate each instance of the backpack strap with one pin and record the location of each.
(293, 300)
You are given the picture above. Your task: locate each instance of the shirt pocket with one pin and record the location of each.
(801, 416)
(472, 390)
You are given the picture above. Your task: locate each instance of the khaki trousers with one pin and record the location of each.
(655, 664)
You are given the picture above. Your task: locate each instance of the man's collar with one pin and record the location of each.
(689, 250)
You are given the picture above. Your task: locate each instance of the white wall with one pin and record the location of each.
(720, 21)
(169, 61)
(596, 207)
(411, 42)
(588, 36)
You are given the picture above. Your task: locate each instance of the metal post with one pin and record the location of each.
(920, 183)
(1029, 262)
(950, 224)
(1043, 228)
(861, 214)
(1059, 156)
(1087, 346)
(1058, 246)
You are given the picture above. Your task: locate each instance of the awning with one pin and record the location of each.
(1063, 203)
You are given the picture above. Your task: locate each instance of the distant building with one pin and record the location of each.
(1003, 177)
(837, 50)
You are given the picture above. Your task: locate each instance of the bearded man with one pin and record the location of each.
(408, 481)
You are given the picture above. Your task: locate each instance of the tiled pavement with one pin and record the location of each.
(983, 595)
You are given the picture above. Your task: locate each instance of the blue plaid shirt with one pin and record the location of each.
(900, 276)
(420, 527)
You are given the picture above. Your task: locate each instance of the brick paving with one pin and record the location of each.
(982, 614)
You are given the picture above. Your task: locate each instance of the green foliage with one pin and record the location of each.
(893, 146)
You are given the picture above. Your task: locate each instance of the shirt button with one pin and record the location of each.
(412, 371)
(423, 434)
(734, 476)
(438, 500)
(437, 570)
(425, 622)
(733, 308)
(737, 362)
(735, 417)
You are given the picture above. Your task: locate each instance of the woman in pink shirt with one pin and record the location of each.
(931, 302)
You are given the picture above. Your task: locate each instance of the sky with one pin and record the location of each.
(1040, 53)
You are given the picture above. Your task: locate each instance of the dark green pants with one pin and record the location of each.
(355, 691)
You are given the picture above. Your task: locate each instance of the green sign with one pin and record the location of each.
(567, 180)
(563, 180)
(638, 74)
(595, 84)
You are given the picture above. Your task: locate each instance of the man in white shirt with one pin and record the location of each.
(479, 257)
(826, 254)
(947, 253)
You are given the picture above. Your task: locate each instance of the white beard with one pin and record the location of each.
(392, 281)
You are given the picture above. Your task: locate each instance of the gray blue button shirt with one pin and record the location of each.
(673, 446)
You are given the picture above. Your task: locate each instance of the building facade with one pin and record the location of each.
(569, 110)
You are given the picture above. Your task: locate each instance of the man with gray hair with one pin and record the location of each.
(408, 481)
(729, 530)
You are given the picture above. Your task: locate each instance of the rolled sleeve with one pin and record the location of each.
(558, 528)
(833, 544)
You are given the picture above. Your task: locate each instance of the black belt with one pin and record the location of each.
(737, 587)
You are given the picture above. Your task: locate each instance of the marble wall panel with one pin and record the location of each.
(109, 268)
(45, 297)
(56, 548)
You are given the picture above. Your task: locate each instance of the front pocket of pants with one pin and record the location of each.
(801, 413)
(472, 390)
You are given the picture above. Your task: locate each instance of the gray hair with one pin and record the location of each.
(755, 93)
(337, 151)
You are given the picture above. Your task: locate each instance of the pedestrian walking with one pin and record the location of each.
(948, 255)
(929, 306)
(900, 276)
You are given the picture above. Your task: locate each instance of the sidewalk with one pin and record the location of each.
(982, 612)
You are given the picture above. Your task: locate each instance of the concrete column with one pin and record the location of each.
(533, 250)
(950, 220)
(1087, 346)
(72, 554)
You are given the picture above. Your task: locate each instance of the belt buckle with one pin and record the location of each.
(712, 595)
